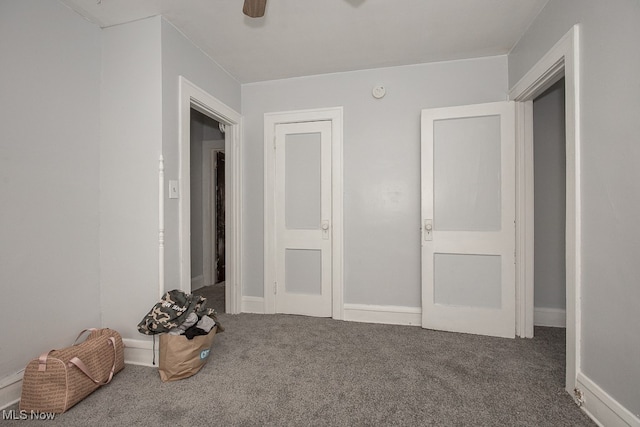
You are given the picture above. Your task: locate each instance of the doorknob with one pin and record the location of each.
(428, 229)
(325, 229)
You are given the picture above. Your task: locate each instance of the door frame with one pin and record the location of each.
(270, 121)
(191, 96)
(562, 60)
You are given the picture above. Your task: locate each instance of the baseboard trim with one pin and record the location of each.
(140, 352)
(253, 305)
(11, 389)
(602, 408)
(553, 317)
(385, 314)
(197, 282)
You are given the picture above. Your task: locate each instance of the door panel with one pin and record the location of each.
(303, 271)
(303, 180)
(303, 213)
(468, 212)
(466, 185)
(456, 278)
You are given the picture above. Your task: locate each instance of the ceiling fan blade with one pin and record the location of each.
(254, 8)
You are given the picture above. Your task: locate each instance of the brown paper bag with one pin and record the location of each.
(181, 357)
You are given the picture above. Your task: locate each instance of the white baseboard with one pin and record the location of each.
(11, 389)
(602, 408)
(197, 282)
(252, 305)
(554, 317)
(140, 352)
(387, 314)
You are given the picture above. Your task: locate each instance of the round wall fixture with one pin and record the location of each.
(378, 92)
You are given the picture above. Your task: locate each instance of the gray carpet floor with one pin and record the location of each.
(281, 370)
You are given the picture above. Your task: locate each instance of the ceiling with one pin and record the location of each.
(307, 37)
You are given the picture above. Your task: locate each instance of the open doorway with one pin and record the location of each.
(560, 62)
(549, 217)
(549, 169)
(194, 98)
(207, 213)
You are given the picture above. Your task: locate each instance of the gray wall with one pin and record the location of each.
(181, 57)
(131, 133)
(49, 136)
(609, 108)
(381, 165)
(549, 198)
(139, 120)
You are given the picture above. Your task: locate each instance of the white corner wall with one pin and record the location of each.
(131, 131)
(381, 165)
(49, 136)
(609, 111)
(139, 120)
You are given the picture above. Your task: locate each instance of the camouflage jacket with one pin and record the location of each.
(172, 310)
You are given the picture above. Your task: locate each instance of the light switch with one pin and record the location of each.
(173, 189)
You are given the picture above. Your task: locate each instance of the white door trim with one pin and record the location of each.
(191, 96)
(270, 121)
(561, 60)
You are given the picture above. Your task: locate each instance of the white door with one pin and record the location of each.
(468, 214)
(302, 217)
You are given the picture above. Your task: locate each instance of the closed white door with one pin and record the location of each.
(302, 217)
(468, 214)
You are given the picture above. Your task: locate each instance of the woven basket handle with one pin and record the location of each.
(80, 365)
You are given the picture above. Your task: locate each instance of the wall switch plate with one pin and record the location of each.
(173, 189)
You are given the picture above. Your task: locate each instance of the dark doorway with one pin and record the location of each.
(207, 189)
(220, 218)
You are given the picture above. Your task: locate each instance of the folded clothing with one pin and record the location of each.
(206, 323)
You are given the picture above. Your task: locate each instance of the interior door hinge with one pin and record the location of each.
(274, 142)
(275, 288)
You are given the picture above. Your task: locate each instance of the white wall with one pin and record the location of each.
(141, 64)
(549, 198)
(381, 165)
(49, 135)
(181, 57)
(609, 108)
(131, 130)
